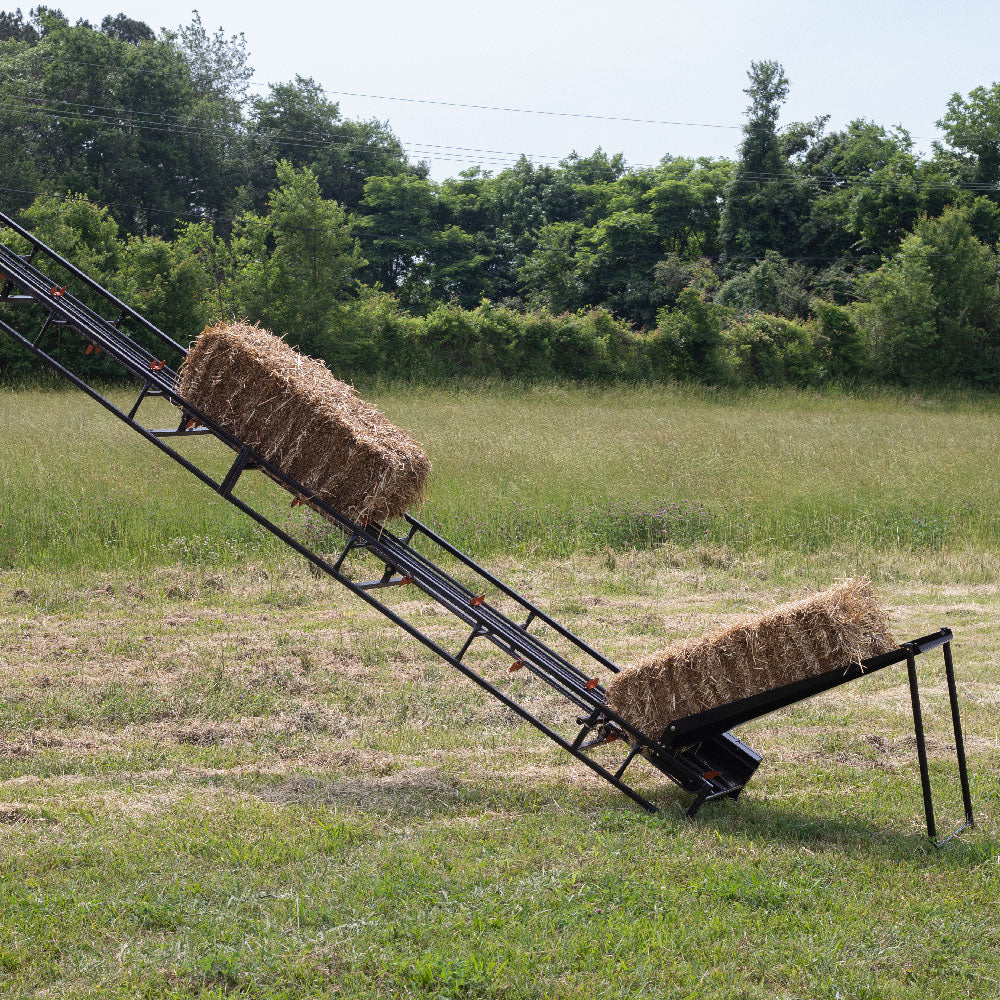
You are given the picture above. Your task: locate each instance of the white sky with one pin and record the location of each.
(892, 61)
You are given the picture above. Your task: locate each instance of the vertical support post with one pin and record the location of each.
(956, 721)
(235, 470)
(43, 331)
(142, 395)
(585, 727)
(918, 730)
(343, 555)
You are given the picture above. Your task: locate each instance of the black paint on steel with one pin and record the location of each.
(956, 722)
(683, 732)
(697, 753)
(918, 730)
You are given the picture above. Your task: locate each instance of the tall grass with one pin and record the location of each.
(545, 470)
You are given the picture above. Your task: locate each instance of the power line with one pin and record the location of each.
(435, 150)
(531, 111)
(498, 158)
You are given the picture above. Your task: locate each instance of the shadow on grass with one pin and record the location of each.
(806, 825)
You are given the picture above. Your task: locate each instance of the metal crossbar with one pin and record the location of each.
(699, 754)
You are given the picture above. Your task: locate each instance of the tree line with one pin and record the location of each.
(814, 255)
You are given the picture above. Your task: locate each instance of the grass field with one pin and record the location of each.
(546, 471)
(221, 776)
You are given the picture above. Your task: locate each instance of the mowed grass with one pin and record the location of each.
(222, 776)
(247, 784)
(548, 471)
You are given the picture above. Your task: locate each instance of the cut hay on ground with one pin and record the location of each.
(826, 631)
(297, 415)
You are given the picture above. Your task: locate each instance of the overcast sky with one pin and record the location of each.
(894, 62)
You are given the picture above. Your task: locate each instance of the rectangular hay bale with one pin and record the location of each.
(294, 412)
(831, 629)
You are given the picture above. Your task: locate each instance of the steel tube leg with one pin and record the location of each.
(918, 730)
(956, 721)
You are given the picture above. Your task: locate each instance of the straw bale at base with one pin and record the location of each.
(831, 629)
(292, 411)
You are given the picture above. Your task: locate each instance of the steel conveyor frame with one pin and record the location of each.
(699, 753)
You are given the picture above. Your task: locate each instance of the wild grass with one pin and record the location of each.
(548, 471)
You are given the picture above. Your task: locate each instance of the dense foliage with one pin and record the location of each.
(813, 256)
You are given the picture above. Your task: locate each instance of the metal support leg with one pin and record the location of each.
(918, 729)
(235, 470)
(476, 632)
(956, 721)
(142, 395)
(43, 331)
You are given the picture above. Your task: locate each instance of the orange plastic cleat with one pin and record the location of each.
(157, 366)
(57, 292)
(405, 580)
(591, 684)
(517, 665)
(477, 600)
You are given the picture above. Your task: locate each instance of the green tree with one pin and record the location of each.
(688, 342)
(84, 233)
(932, 310)
(294, 267)
(773, 285)
(764, 201)
(842, 349)
(972, 128)
(400, 217)
(296, 122)
(164, 283)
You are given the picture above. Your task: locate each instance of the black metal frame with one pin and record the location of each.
(698, 753)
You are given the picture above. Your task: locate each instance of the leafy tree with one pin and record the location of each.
(764, 201)
(400, 216)
(298, 264)
(13, 27)
(673, 274)
(972, 127)
(164, 283)
(220, 66)
(841, 348)
(84, 233)
(688, 341)
(296, 122)
(125, 29)
(932, 309)
(773, 285)
(549, 277)
(685, 204)
(770, 350)
(84, 136)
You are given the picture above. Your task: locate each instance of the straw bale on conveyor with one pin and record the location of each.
(828, 630)
(316, 429)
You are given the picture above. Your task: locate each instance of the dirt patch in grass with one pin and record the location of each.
(412, 792)
(14, 813)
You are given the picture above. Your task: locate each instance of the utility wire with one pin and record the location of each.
(532, 111)
(499, 158)
(267, 85)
